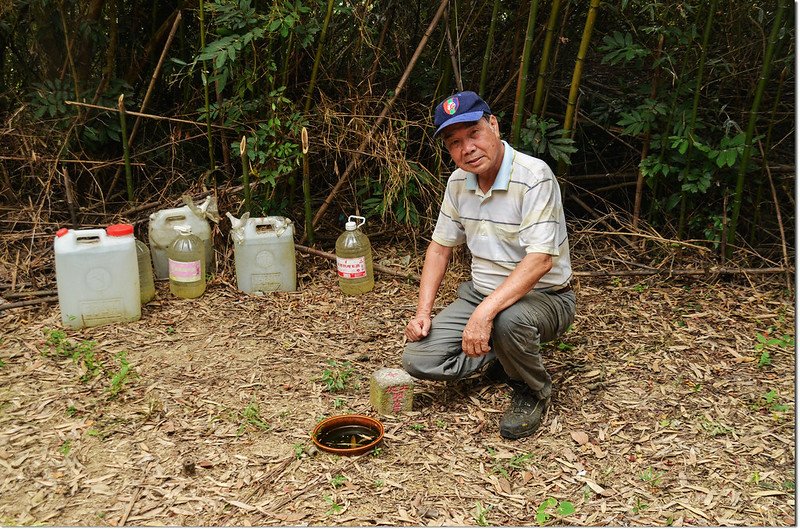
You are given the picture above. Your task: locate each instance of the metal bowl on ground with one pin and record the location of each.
(348, 435)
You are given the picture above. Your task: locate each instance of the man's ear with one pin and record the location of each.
(494, 124)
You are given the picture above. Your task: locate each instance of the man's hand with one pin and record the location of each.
(475, 339)
(418, 328)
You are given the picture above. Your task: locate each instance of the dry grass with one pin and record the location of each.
(662, 414)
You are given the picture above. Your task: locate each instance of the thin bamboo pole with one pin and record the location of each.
(522, 80)
(637, 202)
(204, 76)
(70, 199)
(309, 226)
(318, 57)
(538, 98)
(382, 116)
(245, 173)
(452, 49)
(693, 117)
(125, 148)
(487, 54)
(144, 115)
(751, 124)
(572, 100)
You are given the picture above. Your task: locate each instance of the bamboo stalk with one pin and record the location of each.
(382, 116)
(245, 173)
(572, 99)
(309, 226)
(452, 49)
(538, 98)
(204, 76)
(637, 202)
(125, 148)
(751, 124)
(487, 54)
(779, 218)
(70, 199)
(693, 117)
(318, 57)
(522, 80)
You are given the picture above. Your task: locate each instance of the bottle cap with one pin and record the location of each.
(119, 230)
(350, 225)
(62, 232)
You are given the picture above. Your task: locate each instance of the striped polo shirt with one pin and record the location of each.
(522, 213)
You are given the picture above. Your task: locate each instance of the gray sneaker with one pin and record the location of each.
(525, 414)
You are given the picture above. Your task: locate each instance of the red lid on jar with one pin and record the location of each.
(62, 232)
(119, 230)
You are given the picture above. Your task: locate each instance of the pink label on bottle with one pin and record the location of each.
(351, 267)
(185, 272)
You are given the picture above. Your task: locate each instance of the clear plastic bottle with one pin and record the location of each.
(354, 259)
(187, 266)
(147, 290)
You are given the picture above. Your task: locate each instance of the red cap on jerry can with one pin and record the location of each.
(119, 230)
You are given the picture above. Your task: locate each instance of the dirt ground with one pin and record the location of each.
(666, 411)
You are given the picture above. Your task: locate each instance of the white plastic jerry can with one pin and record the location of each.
(264, 256)
(97, 276)
(161, 231)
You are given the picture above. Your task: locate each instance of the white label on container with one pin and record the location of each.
(351, 267)
(185, 272)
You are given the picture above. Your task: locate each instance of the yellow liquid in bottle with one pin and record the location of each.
(187, 267)
(354, 255)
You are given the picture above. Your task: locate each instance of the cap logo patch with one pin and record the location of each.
(450, 105)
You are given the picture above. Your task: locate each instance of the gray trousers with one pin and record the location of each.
(517, 334)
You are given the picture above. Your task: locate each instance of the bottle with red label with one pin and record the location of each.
(354, 259)
(187, 265)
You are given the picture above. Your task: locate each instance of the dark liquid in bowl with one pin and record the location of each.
(347, 436)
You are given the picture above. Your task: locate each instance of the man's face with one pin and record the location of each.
(475, 147)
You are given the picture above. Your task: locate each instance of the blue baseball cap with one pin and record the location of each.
(462, 107)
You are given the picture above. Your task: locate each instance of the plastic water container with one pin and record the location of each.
(97, 276)
(263, 250)
(354, 259)
(147, 290)
(161, 231)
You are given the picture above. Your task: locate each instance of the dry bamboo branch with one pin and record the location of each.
(385, 112)
(683, 272)
(379, 268)
(27, 303)
(150, 116)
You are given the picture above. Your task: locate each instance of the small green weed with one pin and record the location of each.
(774, 402)
(639, 287)
(378, 483)
(65, 447)
(639, 506)
(71, 411)
(563, 508)
(651, 476)
(336, 376)
(417, 427)
(714, 428)
(122, 376)
(338, 403)
(755, 478)
(298, 449)
(518, 462)
(338, 481)
(333, 506)
(251, 417)
(2, 364)
(441, 424)
(765, 344)
(480, 514)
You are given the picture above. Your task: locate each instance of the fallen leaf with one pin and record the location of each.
(579, 437)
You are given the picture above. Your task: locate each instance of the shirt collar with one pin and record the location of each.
(503, 174)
